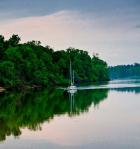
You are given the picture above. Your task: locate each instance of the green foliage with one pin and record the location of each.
(31, 64)
(14, 40)
(1, 46)
(7, 73)
(100, 69)
(125, 71)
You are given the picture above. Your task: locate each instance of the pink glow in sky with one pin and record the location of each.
(104, 35)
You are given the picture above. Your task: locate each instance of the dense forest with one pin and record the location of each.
(31, 64)
(125, 71)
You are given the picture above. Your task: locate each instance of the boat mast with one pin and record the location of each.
(71, 78)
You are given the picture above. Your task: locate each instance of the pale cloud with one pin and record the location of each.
(109, 37)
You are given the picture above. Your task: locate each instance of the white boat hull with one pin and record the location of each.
(72, 87)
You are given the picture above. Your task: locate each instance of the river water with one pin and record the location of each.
(103, 116)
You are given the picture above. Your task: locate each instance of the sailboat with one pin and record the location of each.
(72, 88)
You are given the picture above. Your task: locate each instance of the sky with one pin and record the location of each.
(110, 28)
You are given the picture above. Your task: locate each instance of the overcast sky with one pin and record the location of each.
(108, 27)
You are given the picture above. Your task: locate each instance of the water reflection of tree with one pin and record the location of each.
(85, 98)
(31, 108)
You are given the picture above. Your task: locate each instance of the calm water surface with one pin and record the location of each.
(100, 117)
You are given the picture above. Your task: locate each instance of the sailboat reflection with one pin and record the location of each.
(72, 101)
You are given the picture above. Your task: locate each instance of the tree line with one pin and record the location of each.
(31, 64)
(125, 71)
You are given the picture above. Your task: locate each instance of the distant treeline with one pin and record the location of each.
(125, 71)
(31, 64)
